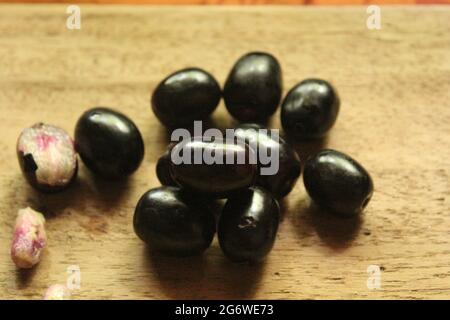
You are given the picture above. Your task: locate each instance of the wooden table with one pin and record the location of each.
(395, 119)
(241, 2)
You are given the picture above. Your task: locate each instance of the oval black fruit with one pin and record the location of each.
(171, 221)
(184, 96)
(253, 88)
(163, 170)
(310, 109)
(47, 157)
(248, 225)
(337, 182)
(213, 168)
(281, 159)
(108, 142)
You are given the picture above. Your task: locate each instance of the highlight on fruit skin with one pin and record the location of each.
(57, 292)
(47, 157)
(29, 238)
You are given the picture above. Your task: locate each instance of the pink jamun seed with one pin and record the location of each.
(47, 157)
(29, 238)
(57, 292)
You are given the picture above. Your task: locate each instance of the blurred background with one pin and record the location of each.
(241, 2)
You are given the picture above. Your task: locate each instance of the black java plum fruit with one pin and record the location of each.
(309, 110)
(185, 96)
(248, 225)
(337, 183)
(281, 167)
(163, 170)
(173, 222)
(109, 143)
(214, 169)
(253, 89)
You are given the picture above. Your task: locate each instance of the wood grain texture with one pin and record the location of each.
(240, 2)
(395, 89)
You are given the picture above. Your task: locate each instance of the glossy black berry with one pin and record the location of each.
(288, 168)
(337, 182)
(109, 143)
(184, 96)
(310, 109)
(212, 168)
(163, 170)
(248, 225)
(173, 222)
(253, 88)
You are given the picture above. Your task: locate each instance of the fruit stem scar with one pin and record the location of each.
(247, 222)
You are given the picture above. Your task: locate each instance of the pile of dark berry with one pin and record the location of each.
(179, 217)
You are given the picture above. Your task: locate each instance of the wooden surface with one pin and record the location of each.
(241, 2)
(395, 90)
